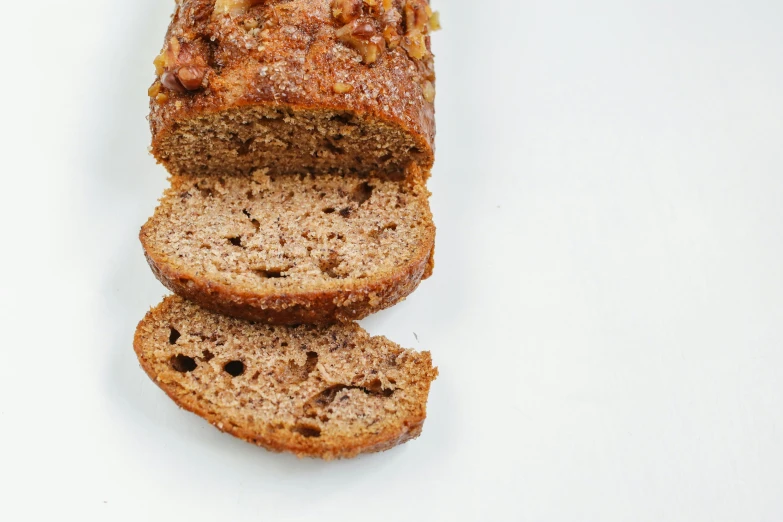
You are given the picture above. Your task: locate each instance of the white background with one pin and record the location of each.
(606, 311)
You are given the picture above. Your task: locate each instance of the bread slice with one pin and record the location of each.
(297, 86)
(328, 392)
(291, 249)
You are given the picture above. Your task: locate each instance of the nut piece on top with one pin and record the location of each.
(362, 35)
(179, 69)
(234, 7)
(369, 26)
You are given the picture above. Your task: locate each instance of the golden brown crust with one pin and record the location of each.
(286, 54)
(267, 433)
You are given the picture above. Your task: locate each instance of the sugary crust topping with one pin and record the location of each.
(230, 53)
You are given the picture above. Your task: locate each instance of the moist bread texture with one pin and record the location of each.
(292, 249)
(328, 392)
(296, 86)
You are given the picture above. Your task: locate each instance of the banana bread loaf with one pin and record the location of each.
(295, 86)
(326, 392)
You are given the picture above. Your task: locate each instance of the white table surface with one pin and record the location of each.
(606, 309)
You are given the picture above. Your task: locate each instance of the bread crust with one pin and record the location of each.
(292, 64)
(284, 440)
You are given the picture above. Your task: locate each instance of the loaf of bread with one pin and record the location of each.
(295, 86)
(327, 392)
(292, 249)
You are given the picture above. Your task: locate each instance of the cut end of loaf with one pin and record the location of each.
(242, 140)
(291, 249)
(328, 392)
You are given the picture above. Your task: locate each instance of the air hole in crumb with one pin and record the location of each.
(296, 373)
(307, 431)
(183, 363)
(256, 376)
(375, 387)
(244, 147)
(234, 368)
(328, 267)
(345, 212)
(334, 149)
(236, 241)
(284, 343)
(207, 355)
(385, 158)
(324, 398)
(173, 335)
(255, 222)
(329, 210)
(361, 193)
(185, 281)
(343, 118)
(312, 362)
(270, 274)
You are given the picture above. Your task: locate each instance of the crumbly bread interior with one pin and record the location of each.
(318, 391)
(241, 140)
(289, 233)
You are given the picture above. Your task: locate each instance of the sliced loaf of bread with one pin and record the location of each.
(328, 392)
(298, 86)
(292, 249)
